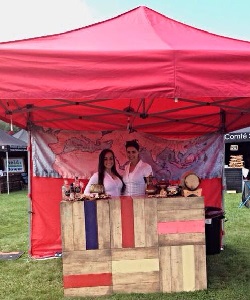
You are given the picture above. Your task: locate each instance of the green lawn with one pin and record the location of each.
(26, 278)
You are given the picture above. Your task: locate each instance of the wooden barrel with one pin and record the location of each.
(192, 182)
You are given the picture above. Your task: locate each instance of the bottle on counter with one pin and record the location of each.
(72, 192)
(77, 188)
(66, 190)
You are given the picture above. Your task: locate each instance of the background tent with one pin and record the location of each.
(241, 139)
(140, 71)
(10, 145)
(11, 142)
(237, 144)
(21, 135)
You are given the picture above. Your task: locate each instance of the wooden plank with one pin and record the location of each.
(79, 226)
(179, 203)
(82, 256)
(176, 269)
(131, 278)
(137, 288)
(165, 269)
(134, 253)
(136, 265)
(139, 222)
(151, 236)
(115, 223)
(182, 239)
(103, 222)
(182, 214)
(67, 232)
(200, 267)
(188, 266)
(88, 291)
(87, 267)
(87, 262)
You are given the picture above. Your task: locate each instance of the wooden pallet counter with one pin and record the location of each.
(139, 245)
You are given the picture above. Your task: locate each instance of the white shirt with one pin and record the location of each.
(135, 184)
(112, 186)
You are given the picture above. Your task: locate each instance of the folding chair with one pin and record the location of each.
(245, 194)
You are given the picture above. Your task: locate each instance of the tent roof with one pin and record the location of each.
(138, 29)
(140, 70)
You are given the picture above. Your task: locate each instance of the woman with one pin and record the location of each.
(107, 175)
(135, 171)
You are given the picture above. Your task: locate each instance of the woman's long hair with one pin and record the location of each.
(101, 169)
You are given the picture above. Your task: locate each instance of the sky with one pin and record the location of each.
(21, 19)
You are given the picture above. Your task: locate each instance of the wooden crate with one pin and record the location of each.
(140, 245)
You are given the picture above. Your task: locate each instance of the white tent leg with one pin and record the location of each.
(7, 172)
(29, 190)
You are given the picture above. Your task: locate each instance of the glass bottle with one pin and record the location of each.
(77, 188)
(72, 192)
(65, 190)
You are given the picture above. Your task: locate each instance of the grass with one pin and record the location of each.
(29, 279)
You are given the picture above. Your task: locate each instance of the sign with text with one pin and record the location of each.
(15, 165)
(237, 137)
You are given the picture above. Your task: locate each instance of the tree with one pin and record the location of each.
(7, 127)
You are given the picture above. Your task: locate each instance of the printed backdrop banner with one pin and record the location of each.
(66, 154)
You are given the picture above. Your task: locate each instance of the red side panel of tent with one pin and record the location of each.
(45, 218)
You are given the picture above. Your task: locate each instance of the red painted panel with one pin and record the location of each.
(127, 217)
(87, 280)
(181, 226)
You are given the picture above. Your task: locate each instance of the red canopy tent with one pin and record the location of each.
(170, 79)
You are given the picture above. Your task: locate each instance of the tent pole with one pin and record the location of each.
(223, 200)
(29, 198)
(7, 171)
(223, 127)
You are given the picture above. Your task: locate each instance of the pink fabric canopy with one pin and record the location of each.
(163, 77)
